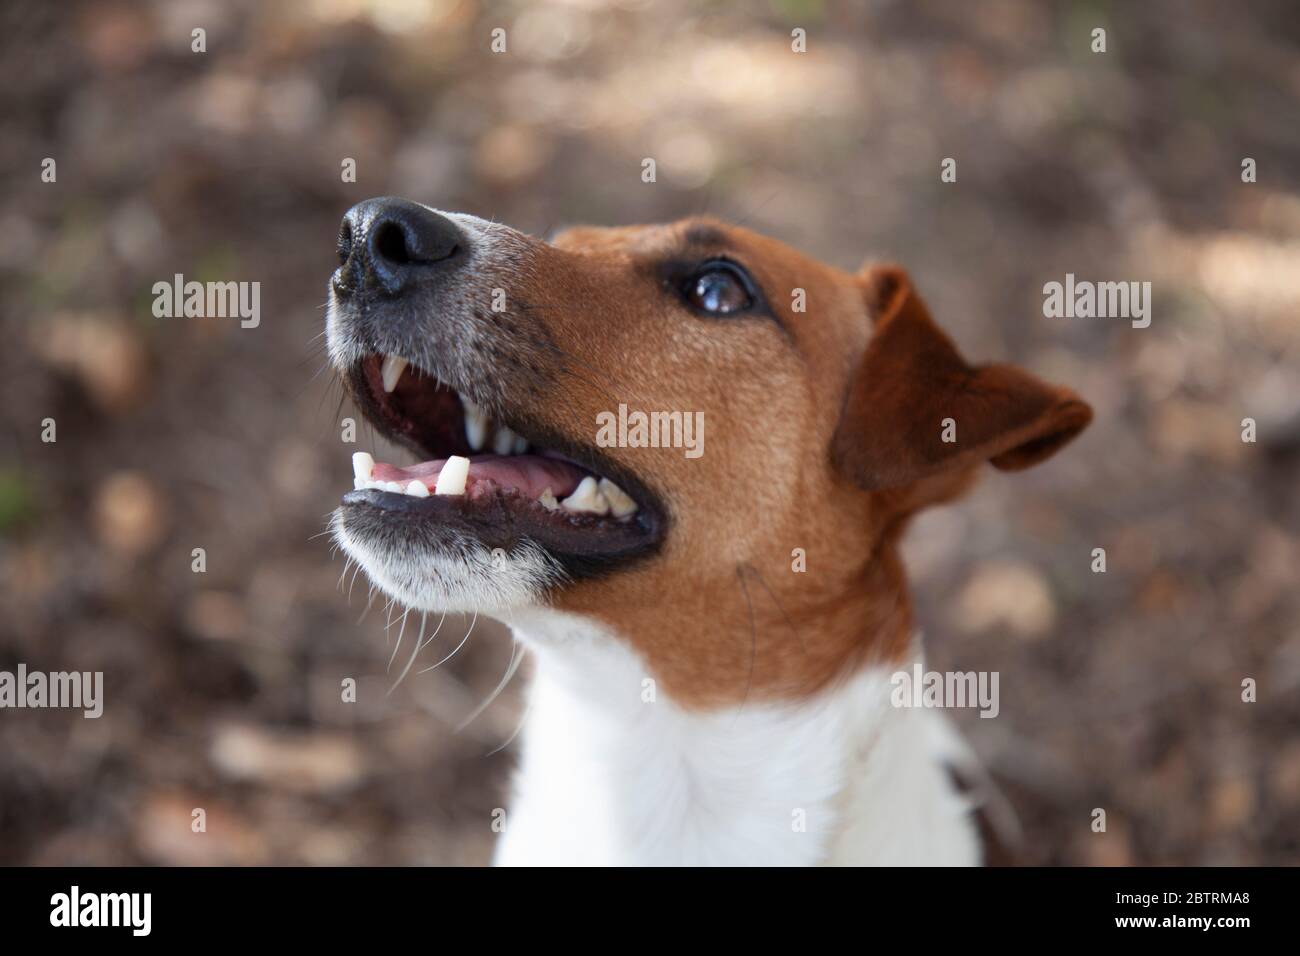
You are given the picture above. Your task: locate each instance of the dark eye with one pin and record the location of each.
(719, 288)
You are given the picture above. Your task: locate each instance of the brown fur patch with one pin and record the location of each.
(822, 433)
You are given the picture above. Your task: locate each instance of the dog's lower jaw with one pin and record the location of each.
(462, 575)
(614, 773)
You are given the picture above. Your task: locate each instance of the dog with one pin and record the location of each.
(698, 697)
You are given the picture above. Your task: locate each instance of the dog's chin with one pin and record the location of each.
(432, 567)
(488, 555)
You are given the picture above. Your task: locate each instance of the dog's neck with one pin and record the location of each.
(614, 772)
(759, 630)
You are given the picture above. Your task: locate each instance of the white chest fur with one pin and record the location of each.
(613, 772)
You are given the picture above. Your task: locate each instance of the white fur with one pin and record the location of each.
(469, 578)
(608, 778)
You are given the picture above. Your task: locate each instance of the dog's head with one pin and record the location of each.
(663, 423)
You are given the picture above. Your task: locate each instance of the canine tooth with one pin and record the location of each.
(476, 424)
(548, 500)
(587, 498)
(417, 489)
(363, 465)
(393, 367)
(451, 480)
(504, 442)
(620, 503)
(359, 484)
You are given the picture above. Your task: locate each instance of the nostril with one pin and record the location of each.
(390, 243)
(345, 242)
(387, 245)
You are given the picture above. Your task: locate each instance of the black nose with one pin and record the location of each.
(387, 245)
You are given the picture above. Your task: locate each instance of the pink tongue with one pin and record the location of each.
(530, 475)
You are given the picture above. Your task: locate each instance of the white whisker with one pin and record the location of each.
(400, 631)
(516, 655)
(518, 727)
(457, 648)
(419, 643)
(434, 634)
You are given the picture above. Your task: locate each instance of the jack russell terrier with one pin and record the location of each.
(714, 633)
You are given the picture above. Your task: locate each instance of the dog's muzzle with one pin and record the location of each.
(437, 366)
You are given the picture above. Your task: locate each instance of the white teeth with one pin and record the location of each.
(393, 367)
(363, 470)
(476, 424)
(587, 498)
(451, 480)
(590, 497)
(414, 489)
(620, 504)
(479, 432)
(504, 442)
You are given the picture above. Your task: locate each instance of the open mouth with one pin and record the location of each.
(501, 481)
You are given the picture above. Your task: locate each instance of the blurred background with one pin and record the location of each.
(1119, 690)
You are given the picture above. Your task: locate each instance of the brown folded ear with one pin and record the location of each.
(912, 389)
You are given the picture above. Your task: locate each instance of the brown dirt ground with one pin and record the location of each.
(1119, 690)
